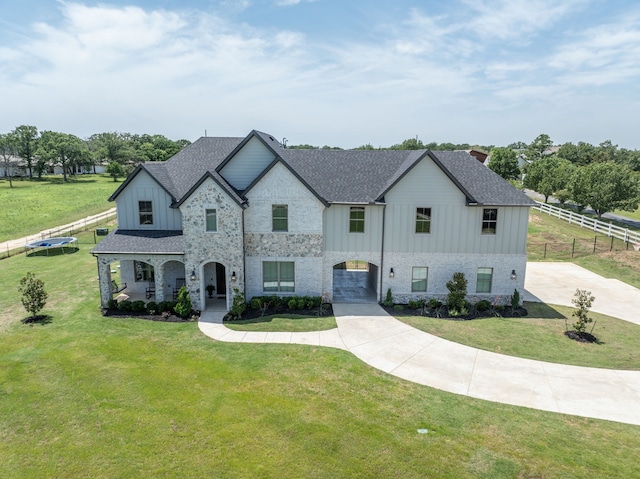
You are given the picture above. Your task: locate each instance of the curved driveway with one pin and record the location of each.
(385, 343)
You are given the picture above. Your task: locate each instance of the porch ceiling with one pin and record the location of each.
(136, 241)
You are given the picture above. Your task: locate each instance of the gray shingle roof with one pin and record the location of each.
(136, 241)
(336, 176)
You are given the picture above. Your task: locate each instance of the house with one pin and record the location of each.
(247, 214)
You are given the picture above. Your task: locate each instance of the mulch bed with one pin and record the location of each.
(255, 313)
(165, 317)
(581, 337)
(506, 312)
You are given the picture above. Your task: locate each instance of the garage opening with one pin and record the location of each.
(354, 281)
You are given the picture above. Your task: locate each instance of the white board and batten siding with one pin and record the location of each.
(455, 227)
(336, 229)
(145, 188)
(247, 164)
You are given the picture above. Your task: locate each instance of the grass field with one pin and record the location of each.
(86, 396)
(82, 395)
(32, 206)
(540, 335)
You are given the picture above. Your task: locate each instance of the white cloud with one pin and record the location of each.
(178, 72)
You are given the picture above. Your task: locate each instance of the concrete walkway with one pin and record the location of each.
(385, 343)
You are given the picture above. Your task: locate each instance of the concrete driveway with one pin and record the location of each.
(556, 283)
(385, 343)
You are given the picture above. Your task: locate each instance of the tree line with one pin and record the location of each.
(604, 177)
(40, 151)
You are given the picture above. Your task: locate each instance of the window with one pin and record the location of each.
(356, 219)
(143, 271)
(419, 279)
(280, 217)
(423, 220)
(489, 221)
(483, 282)
(278, 276)
(146, 212)
(211, 220)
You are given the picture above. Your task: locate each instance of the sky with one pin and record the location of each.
(326, 72)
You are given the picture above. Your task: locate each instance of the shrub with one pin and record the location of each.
(166, 306)
(292, 303)
(415, 304)
(34, 297)
(457, 291)
(138, 306)
(398, 307)
(582, 301)
(238, 305)
(183, 305)
(112, 304)
(124, 305)
(152, 307)
(388, 302)
(434, 303)
(515, 300)
(483, 305)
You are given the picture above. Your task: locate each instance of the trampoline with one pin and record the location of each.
(50, 243)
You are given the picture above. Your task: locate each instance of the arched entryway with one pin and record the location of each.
(354, 281)
(213, 290)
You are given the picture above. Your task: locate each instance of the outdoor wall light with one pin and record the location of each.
(234, 277)
(193, 275)
(513, 274)
(391, 273)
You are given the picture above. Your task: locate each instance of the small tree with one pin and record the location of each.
(457, 292)
(582, 301)
(34, 297)
(183, 305)
(115, 170)
(515, 300)
(238, 305)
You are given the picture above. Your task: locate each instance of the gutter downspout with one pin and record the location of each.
(384, 211)
(244, 259)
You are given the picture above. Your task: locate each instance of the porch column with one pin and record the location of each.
(159, 280)
(104, 278)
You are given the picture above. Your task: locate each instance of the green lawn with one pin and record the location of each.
(540, 335)
(32, 206)
(284, 322)
(88, 396)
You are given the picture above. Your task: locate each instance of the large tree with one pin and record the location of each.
(606, 186)
(111, 147)
(26, 138)
(548, 175)
(62, 149)
(8, 153)
(504, 161)
(538, 148)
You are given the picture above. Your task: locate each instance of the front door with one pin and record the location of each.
(221, 280)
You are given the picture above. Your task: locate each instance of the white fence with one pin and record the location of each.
(81, 225)
(595, 225)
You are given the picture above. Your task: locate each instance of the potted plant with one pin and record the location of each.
(210, 289)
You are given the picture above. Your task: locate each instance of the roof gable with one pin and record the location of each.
(165, 186)
(280, 161)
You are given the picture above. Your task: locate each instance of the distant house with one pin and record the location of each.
(14, 167)
(478, 155)
(247, 214)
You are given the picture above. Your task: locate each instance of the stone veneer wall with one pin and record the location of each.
(441, 269)
(202, 247)
(302, 243)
